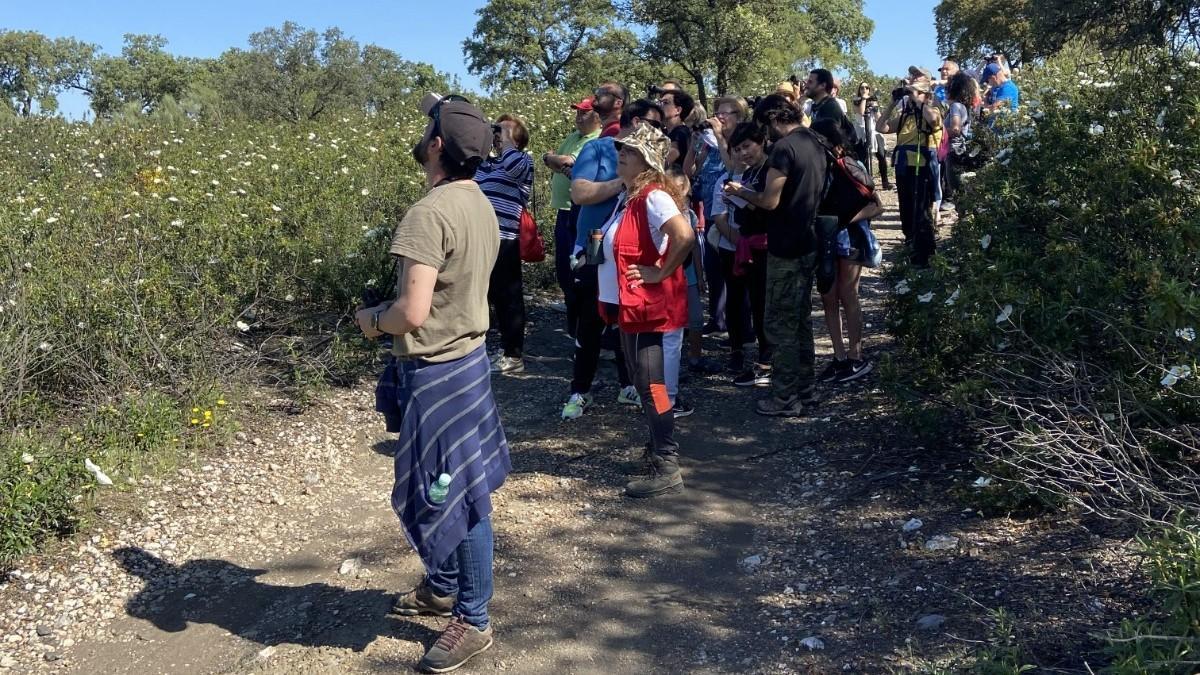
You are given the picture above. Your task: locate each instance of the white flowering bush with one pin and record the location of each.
(1074, 272)
(144, 267)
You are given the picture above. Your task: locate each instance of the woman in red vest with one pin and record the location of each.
(643, 287)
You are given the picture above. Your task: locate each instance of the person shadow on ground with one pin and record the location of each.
(231, 597)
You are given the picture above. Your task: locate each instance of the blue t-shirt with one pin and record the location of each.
(1005, 92)
(597, 162)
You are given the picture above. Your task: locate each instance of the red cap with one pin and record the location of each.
(584, 105)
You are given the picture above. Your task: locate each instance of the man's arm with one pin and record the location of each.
(411, 309)
(932, 114)
(768, 199)
(586, 192)
(559, 163)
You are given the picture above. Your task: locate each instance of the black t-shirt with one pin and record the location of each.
(800, 157)
(844, 200)
(750, 219)
(681, 136)
(829, 108)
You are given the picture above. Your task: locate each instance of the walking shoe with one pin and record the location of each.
(422, 601)
(629, 396)
(855, 368)
(947, 206)
(507, 365)
(756, 376)
(773, 406)
(575, 406)
(681, 408)
(455, 646)
(834, 371)
(664, 478)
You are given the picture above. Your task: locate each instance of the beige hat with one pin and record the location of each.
(650, 143)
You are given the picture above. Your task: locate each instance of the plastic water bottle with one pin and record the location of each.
(439, 490)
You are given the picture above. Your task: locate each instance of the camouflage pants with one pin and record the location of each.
(789, 324)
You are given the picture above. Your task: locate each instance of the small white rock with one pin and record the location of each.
(912, 525)
(813, 643)
(350, 566)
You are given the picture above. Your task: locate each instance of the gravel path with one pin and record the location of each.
(787, 552)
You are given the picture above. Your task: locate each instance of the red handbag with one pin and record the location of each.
(533, 249)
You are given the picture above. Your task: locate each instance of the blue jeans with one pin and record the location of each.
(672, 354)
(468, 574)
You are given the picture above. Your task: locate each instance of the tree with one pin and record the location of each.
(293, 73)
(144, 73)
(1120, 24)
(540, 42)
(388, 79)
(34, 69)
(971, 29)
(749, 45)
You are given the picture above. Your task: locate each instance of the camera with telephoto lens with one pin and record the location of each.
(655, 90)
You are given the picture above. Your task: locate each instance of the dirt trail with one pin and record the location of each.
(788, 530)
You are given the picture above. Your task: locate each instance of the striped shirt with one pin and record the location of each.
(507, 181)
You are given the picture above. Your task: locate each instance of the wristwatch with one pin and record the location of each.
(375, 319)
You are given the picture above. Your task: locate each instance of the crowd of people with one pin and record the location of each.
(658, 205)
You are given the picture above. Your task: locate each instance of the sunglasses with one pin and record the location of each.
(654, 123)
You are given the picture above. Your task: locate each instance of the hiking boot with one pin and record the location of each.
(575, 406)
(664, 478)
(507, 365)
(834, 371)
(422, 601)
(639, 466)
(456, 645)
(629, 396)
(756, 376)
(855, 368)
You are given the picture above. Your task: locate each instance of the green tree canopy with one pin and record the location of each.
(143, 74)
(727, 46)
(545, 43)
(34, 69)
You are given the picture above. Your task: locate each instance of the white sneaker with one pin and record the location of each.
(507, 365)
(629, 396)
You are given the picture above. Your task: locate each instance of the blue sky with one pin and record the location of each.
(419, 31)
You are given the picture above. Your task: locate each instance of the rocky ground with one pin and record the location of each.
(840, 542)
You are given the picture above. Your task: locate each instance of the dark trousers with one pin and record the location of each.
(716, 285)
(915, 189)
(750, 286)
(588, 331)
(881, 155)
(789, 324)
(646, 366)
(506, 295)
(564, 243)
(951, 178)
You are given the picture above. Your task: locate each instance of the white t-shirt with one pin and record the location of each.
(721, 206)
(659, 209)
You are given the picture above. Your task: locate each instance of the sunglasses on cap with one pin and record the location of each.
(436, 111)
(654, 123)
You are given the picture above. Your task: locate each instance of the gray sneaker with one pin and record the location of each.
(456, 645)
(422, 601)
(793, 406)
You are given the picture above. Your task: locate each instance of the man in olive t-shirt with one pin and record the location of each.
(452, 229)
(437, 392)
